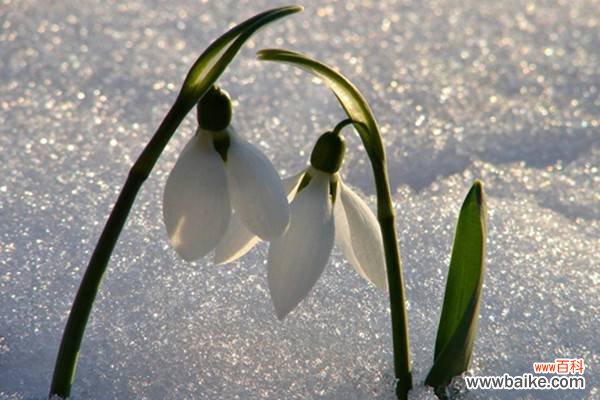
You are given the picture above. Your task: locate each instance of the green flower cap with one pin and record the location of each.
(328, 153)
(214, 110)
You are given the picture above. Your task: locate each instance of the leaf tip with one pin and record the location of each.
(295, 8)
(269, 54)
(477, 192)
(262, 54)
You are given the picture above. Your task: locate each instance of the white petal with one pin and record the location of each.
(196, 207)
(358, 235)
(291, 183)
(256, 190)
(238, 240)
(297, 259)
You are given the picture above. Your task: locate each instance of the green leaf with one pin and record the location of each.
(213, 61)
(351, 99)
(460, 313)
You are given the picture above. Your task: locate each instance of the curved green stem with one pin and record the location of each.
(199, 80)
(68, 352)
(342, 124)
(358, 110)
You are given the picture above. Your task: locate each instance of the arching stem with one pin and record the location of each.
(342, 124)
(68, 353)
(199, 80)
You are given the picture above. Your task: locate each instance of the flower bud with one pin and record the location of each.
(328, 153)
(214, 110)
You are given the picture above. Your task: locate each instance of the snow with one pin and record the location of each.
(507, 92)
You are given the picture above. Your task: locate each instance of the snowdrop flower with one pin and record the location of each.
(218, 172)
(323, 210)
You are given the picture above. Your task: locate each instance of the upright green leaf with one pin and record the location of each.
(460, 313)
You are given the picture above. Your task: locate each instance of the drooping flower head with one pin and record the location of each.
(216, 175)
(324, 211)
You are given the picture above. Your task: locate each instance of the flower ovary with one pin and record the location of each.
(214, 110)
(328, 153)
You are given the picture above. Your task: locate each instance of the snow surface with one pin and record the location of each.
(505, 91)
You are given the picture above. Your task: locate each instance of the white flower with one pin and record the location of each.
(202, 189)
(318, 219)
(324, 211)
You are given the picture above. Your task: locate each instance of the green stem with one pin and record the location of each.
(385, 215)
(66, 361)
(387, 224)
(342, 124)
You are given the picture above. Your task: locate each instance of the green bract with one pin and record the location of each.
(460, 313)
(351, 99)
(213, 61)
